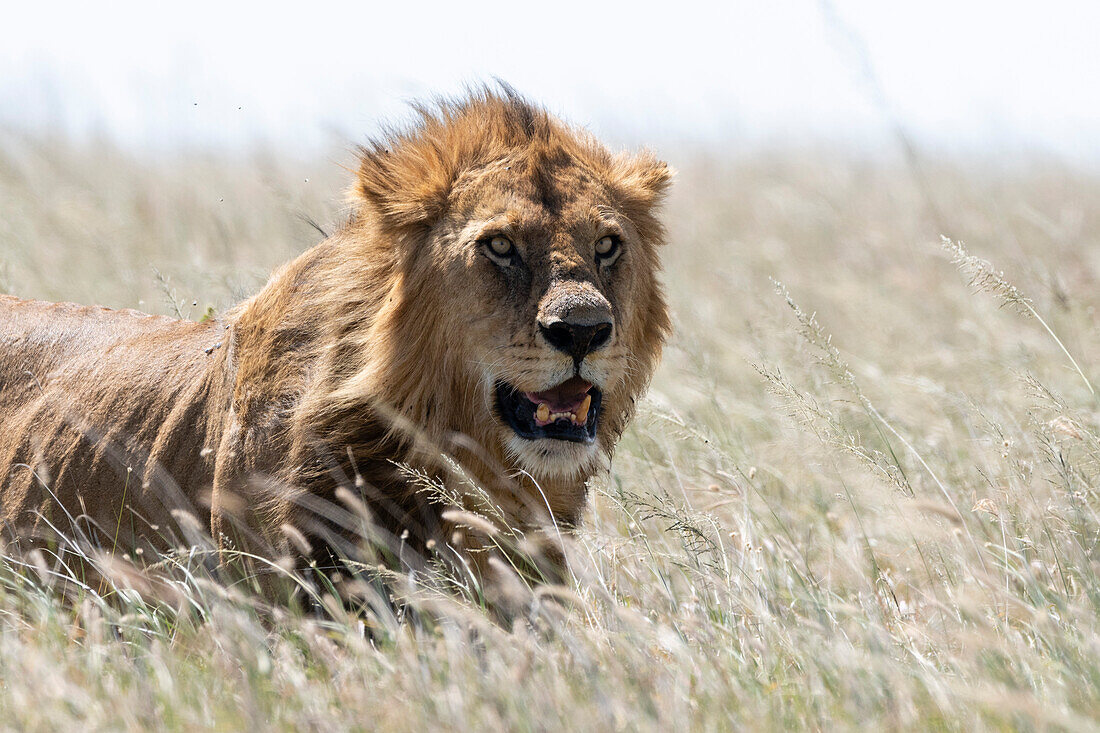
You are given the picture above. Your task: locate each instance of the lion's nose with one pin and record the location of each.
(576, 339)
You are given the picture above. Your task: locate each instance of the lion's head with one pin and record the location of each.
(519, 310)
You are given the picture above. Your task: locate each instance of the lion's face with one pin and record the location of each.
(524, 310)
(551, 284)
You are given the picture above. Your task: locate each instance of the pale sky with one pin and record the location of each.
(959, 76)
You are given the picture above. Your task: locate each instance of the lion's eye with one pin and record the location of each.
(501, 246)
(607, 248)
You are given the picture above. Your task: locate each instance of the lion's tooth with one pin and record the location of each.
(543, 413)
(582, 413)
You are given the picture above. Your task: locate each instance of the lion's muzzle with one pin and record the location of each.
(575, 318)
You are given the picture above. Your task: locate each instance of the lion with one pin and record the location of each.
(492, 302)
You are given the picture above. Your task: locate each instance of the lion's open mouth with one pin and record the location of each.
(568, 411)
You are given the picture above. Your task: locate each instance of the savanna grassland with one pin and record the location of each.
(862, 493)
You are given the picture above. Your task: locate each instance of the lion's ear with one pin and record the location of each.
(640, 182)
(645, 178)
(404, 188)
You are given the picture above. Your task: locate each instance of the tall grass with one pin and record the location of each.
(862, 492)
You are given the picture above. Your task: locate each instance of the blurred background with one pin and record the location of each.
(976, 77)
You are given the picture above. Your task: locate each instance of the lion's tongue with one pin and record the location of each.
(570, 398)
(564, 397)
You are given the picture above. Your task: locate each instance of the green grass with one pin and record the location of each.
(861, 494)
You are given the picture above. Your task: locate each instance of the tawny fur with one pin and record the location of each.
(378, 346)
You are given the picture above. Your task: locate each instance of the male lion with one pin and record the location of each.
(493, 298)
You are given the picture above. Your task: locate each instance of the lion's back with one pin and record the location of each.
(37, 335)
(92, 399)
